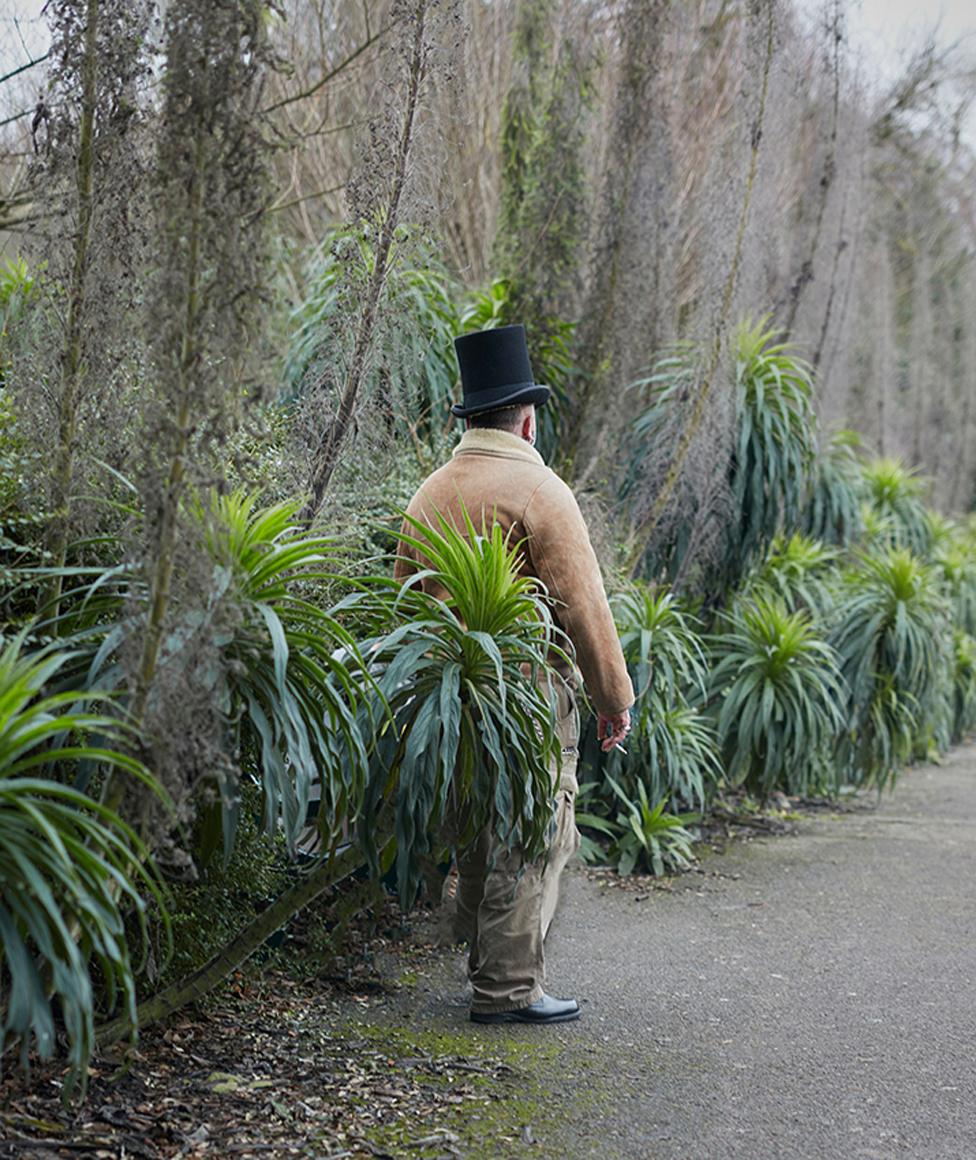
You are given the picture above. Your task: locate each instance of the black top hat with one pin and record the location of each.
(495, 371)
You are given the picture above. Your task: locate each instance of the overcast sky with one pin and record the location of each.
(886, 31)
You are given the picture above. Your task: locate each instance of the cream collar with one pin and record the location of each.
(491, 441)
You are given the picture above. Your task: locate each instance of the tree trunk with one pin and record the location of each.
(56, 537)
(647, 527)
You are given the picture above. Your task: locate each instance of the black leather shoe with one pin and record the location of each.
(544, 1010)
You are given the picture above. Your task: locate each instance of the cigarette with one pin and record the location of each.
(620, 747)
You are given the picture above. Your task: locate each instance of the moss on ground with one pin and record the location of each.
(488, 1096)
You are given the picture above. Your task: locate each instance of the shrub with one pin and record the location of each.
(895, 494)
(413, 368)
(891, 633)
(775, 442)
(954, 557)
(833, 513)
(671, 749)
(963, 685)
(69, 867)
(649, 837)
(773, 447)
(461, 698)
(799, 571)
(777, 692)
(271, 669)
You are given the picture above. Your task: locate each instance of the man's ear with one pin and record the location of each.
(527, 428)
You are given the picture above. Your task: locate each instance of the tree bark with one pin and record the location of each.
(56, 537)
(647, 527)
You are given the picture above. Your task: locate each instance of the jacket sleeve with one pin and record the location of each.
(565, 562)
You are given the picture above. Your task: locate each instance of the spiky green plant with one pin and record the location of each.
(798, 570)
(775, 440)
(772, 454)
(17, 282)
(283, 671)
(963, 685)
(832, 512)
(777, 695)
(891, 632)
(649, 836)
(286, 686)
(954, 557)
(69, 868)
(471, 727)
(487, 308)
(896, 495)
(671, 749)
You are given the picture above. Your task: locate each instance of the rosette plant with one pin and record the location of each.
(280, 667)
(963, 685)
(774, 446)
(798, 570)
(777, 695)
(73, 876)
(832, 513)
(892, 633)
(462, 697)
(671, 749)
(896, 495)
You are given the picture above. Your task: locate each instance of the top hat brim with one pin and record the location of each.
(493, 400)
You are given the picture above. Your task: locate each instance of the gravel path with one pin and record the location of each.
(807, 996)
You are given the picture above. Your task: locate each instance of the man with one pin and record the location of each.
(503, 906)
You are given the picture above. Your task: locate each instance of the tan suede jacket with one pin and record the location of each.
(497, 473)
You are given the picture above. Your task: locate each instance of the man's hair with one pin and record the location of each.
(504, 418)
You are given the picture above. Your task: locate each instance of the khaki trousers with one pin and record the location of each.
(505, 906)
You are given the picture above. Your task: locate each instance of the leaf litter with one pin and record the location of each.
(276, 1066)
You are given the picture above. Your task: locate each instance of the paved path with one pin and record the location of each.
(809, 996)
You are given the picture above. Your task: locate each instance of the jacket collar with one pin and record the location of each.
(491, 441)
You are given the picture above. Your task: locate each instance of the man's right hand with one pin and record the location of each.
(612, 730)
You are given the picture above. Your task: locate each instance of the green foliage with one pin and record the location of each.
(69, 867)
(891, 633)
(963, 685)
(209, 910)
(488, 308)
(772, 454)
(21, 521)
(16, 289)
(280, 668)
(799, 571)
(471, 728)
(777, 694)
(649, 837)
(895, 494)
(282, 691)
(671, 749)
(775, 442)
(954, 557)
(832, 513)
(671, 752)
(413, 367)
